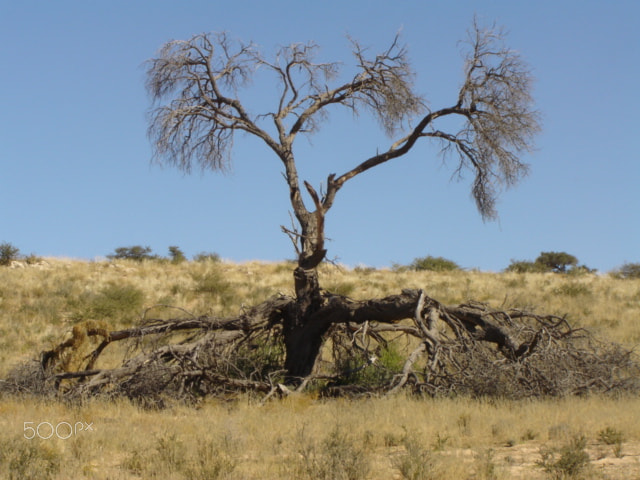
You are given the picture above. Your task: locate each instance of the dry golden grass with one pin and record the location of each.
(459, 437)
(298, 437)
(36, 304)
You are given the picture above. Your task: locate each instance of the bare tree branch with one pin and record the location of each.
(201, 77)
(500, 122)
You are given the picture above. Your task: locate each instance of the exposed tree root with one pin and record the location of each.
(405, 341)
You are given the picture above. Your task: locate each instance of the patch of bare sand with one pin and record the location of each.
(521, 461)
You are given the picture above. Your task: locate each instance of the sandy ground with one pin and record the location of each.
(520, 461)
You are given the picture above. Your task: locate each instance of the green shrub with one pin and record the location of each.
(114, 301)
(258, 360)
(341, 288)
(32, 259)
(399, 268)
(569, 461)
(628, 270)
(136, 252)
(8, 253)
(336, 457)
(391, 359)
(206, 257)
(525, 266)
(214, 459)
(581, 270)
(211, 282)
(611, 436)
(436, 264)
(373, 371)
(416, 462)
(557, 261)
(176, 255)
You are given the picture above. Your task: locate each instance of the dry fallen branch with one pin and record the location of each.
(468, 349)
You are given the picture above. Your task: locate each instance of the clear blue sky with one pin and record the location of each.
(74, 156)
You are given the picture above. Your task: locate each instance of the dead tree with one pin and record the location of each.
(199, 80)
(468, 349)
(196, 86)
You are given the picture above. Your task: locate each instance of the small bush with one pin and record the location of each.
(211, 282)
(399, 268)
(337, 457)
(440, 442)
(171, 452)
(213, 460)
(342, 288)
(392, 439)
(113, 301)
(32, 259)
(8, 253)
(581, 270)
(628, 270)
(258, 360)
(370, 370)
(206, 257)
(214, 287)
(416, 462)
(528, 435)
(176, 255)
(611, 436)
(557, 262)
(569, 461)
(435, 264)
(525, 266)
(136, 252)
(392, 359)
(136, 462)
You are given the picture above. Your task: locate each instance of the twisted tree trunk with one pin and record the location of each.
(305, 326)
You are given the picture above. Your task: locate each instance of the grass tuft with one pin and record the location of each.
(569, 461)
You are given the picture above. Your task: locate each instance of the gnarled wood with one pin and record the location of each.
(468, 348)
